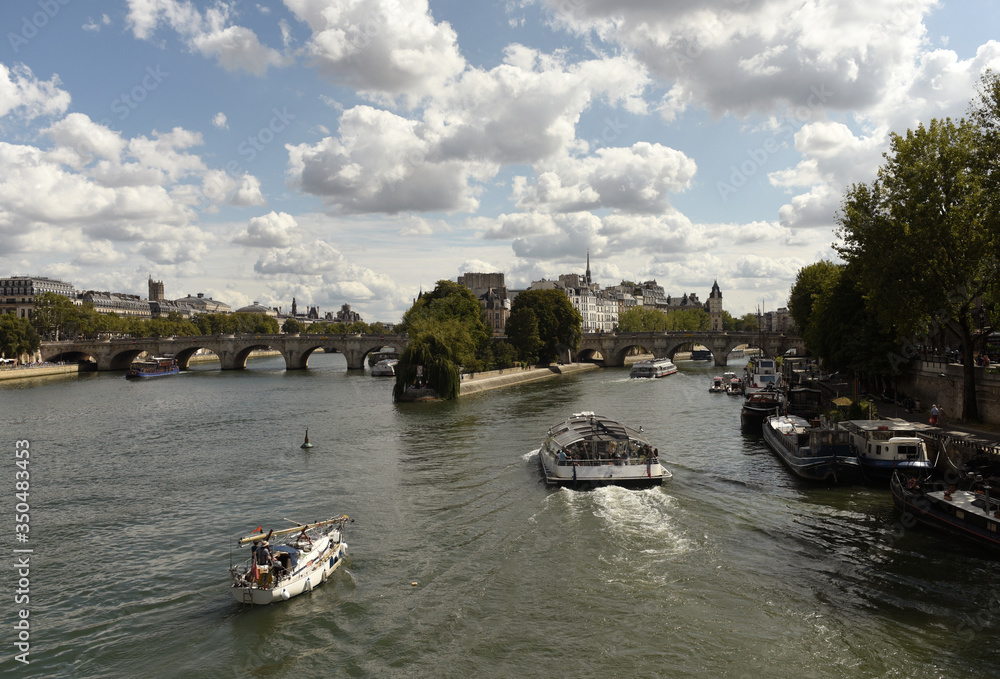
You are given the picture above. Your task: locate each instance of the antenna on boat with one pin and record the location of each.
(306, 444)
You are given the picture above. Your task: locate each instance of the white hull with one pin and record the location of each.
(309, 558)
(303, 581)
(603, 474)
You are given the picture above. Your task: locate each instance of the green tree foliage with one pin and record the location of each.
(432, 354)
(53, 314)
(688, 320)
(745, 323)
(17, 337)
(523, 334)
(291, 326)
(447, 329)
(642, 319)
(811, 283)
(920, 240)
(560, 326)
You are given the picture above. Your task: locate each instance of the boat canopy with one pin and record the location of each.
(590, 427)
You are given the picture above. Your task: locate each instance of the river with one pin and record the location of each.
(138, 491)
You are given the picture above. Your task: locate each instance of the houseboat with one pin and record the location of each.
(810, 451)
(154, 366)
(886, 446)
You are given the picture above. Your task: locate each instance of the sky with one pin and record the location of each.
(358, 151)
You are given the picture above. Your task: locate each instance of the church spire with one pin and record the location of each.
(588, 266)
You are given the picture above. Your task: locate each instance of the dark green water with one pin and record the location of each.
(732, 569)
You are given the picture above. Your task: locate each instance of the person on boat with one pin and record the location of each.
(934, 414)
(562, 456)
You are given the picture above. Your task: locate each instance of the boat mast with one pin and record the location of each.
(285, 531)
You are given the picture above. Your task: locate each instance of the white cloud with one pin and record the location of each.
(219, 121)
(29, 97)
(273, 230)
(384, 47)
(636, 179)
(211, 34)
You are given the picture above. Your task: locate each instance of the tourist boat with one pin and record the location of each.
(588, 450)
(303, 559)
(655, 367)
(758, 406)
(718, 386)
(154, 366)
(377, 356)
(701, 355)
(385, 368)
(812, 452)
(886, 446)
(972, 513)
(761, 374)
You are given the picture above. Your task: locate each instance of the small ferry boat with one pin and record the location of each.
(154, 366)
(886, 446)
(656, 367)
(735, 387)
(718, 386)
(812, 452)
(588, 450)
(761, 374)
(758, 406)
(972, 513)
(304, 558)
(385, 368)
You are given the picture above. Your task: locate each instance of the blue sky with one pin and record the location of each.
(356, 151)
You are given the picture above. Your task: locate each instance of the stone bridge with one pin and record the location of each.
(614, 347)
(232, 350)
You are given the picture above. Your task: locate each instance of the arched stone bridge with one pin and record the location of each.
(614, 347)
(232, 350)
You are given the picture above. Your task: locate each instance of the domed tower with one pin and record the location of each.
(715, 307)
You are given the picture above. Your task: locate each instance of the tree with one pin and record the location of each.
(560, 326)
(523, 335)
(688, 320)
(52, 313)
(920, 241)
(812, 282)
(642, 319)
(430, 351)
(17, 337)
(291, 326)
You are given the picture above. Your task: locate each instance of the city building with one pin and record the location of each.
(204, 305)
(156, 291)
(345, 315)
(117, 303)
(17, 293)
(714, 308)
(257, 308)
(491, 290)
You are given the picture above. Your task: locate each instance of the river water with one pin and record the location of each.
(732, 569)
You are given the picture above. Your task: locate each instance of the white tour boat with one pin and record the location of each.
(718, 386)
(385, 368)
(656, 367)
(303, 559)
(588, 450)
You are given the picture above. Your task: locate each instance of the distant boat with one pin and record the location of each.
(155, 366)
(656, 367)
(701, 355)
(758, 406)
(385, 368)
(718, 386)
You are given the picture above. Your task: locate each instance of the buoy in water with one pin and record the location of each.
(306, 444)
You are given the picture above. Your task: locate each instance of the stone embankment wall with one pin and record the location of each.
(38, 371)
(931, 383)
(496, 379)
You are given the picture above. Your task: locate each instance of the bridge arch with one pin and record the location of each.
(70, 356)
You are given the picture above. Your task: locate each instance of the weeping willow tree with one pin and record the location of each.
(447, 330)
(430, 353)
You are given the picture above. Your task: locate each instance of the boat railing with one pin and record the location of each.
(619, 461)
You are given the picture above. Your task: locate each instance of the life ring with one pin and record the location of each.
(911, 484)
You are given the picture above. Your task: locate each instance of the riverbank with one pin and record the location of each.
(497, 379)
(37, 371)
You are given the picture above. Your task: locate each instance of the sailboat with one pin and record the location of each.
(302, 560)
